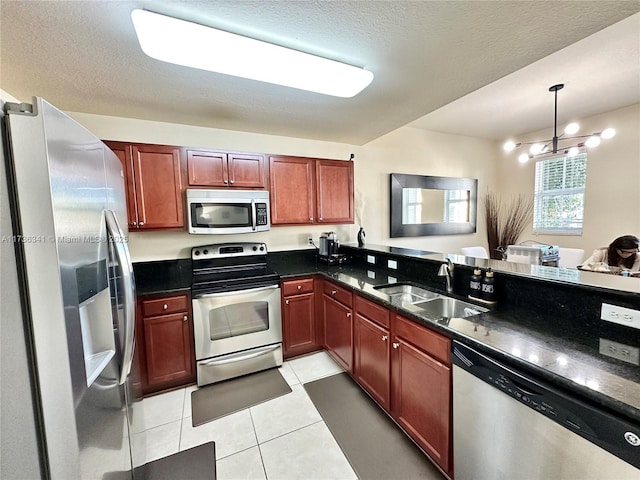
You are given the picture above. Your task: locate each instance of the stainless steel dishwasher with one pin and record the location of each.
(508, 425)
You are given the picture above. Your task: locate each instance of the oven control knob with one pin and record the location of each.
(205, 251)
(261, 248)
(196, 253)
(255, 248)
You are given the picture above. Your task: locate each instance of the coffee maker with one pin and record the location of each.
(328, 250)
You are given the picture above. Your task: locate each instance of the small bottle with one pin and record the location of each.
(475, 282)
(488, 287)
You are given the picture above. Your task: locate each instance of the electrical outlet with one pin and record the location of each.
(623, 352)
(620, 315)
(371, 259)
(310, 240)
(392, 264)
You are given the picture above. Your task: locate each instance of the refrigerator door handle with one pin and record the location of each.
(126, 271)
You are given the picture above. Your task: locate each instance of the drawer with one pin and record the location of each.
(372, 311)
(294, 287)
(340, 294)
(435, 344)
(160, 306)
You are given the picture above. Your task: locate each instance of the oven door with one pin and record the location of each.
(231, 322)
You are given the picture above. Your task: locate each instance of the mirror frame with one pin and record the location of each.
(398, 181)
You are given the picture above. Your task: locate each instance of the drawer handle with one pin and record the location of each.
(333, 292)
(384, 338)
(286, 302)
(348, 314)
(299, 287)
(396, 344)
(184, 319)
(165, 306)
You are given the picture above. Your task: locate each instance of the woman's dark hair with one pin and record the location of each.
(626, 242)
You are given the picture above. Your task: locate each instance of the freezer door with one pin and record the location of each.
(62, 196)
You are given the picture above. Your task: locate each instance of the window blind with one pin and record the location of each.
(559, 195)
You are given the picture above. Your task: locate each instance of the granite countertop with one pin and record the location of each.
(523, 337)
(530, 344)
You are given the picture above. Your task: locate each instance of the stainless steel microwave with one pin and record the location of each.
(228, 211)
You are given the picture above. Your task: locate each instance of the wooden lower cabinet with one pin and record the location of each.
(338, 324)
(421, 390)
(165, 342)
(372, 353)
(300, 329)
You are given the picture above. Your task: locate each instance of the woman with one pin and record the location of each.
(621, 255)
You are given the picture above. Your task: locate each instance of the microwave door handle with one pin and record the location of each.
(126, 271)
(254, 220)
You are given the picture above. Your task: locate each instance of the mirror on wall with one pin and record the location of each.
(426, 205)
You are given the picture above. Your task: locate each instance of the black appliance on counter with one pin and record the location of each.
(328, 250)
(237, 320)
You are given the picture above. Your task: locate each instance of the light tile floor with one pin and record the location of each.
(282, 439)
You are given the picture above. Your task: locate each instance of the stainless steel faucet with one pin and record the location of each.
(446, 270)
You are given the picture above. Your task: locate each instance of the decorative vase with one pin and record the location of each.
(361, 236)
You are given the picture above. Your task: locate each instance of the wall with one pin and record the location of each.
(612, 194)
(407, 150)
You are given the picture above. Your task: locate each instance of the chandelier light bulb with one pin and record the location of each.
(572, 128)
(523, 158)
(536, 148)
(509, 146)
(573, 151)
(592, 141)
(608, 133)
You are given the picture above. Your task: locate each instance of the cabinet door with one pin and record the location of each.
(334, 197)
(169, 354)
(299, 324)
(207, 168)
(123, 152)
(158, 186)
(372, 359)
(338, 331)
(247, 171)
(292, 190)
(421, 399)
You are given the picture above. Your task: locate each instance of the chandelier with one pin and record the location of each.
(570, 146)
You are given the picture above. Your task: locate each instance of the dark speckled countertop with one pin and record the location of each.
(532, 339)
(544, 329)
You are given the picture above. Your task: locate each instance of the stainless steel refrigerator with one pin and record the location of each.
(69, 406)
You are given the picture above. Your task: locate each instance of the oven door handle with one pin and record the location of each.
(237, 292)
(257, 352)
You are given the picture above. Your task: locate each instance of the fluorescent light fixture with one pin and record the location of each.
(191, 45)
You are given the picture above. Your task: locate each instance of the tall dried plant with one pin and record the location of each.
(506, 220)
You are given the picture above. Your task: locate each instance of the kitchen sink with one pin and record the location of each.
(431, 304)
(407, 293)
(447, 307)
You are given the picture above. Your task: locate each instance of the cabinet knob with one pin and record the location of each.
(141, 224)
(396, 344)
(311, 219)
(333, 292)
(226, 181)
(165, 306)
(320, 218)
(384, 338)
(184, 319)
(133, 224)
(348, 314)
(299, 287)
(232, 181)
(286, 302)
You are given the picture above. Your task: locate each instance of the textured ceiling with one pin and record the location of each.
(84, 57)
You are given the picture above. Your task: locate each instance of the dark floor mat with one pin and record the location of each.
(220, 399)
(375, 446)
(197, 463)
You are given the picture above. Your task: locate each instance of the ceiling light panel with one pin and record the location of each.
(191, 45)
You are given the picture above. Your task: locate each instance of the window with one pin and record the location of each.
(456, 205)
(412, 206)
(559, 195)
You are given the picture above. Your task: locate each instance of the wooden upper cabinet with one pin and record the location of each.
(310, 191)
(208, 168)
(154, 185)
(334, 194)
(292, 182)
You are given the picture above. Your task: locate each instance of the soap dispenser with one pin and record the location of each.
(488, 287)
(475, 284)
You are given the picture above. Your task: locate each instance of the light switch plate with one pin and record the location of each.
(371, 274)
(371, 259)
(391, 279)
(392, 264)
(620, 315)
